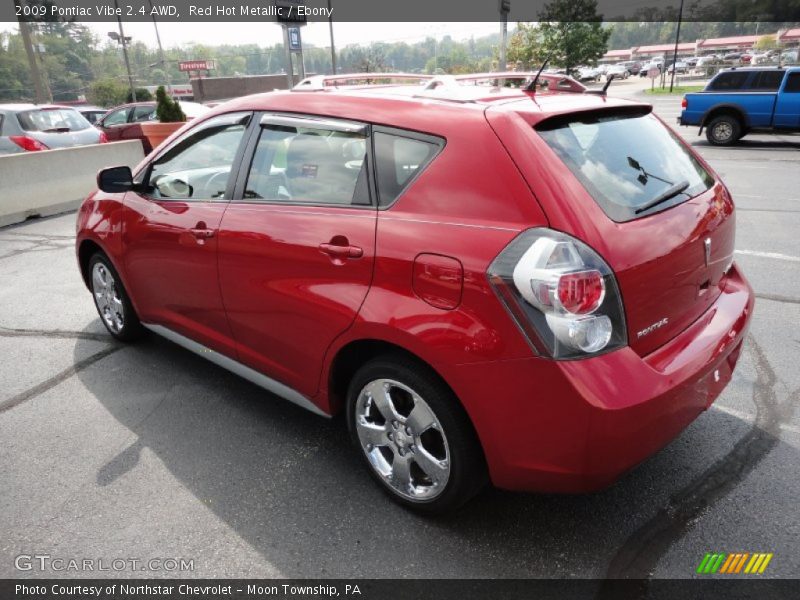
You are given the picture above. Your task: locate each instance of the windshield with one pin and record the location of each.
(52, 119)
(626, 161)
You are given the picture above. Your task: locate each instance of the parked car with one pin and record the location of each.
(678, 67)
(617, 72)
(527, 324)
(632, 66)
(32, 127)
(653, 64)
(691, 61)
(733, 58)
(739, 101)
(92, 113)
(588, 74)
(790, 57)
(123, 122)
(708, 59)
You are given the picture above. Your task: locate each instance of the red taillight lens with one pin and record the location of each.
(27, 143)
(580, 293)
(684, 103)
(103, 138)
(561, 293)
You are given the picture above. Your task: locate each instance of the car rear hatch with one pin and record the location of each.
(57, 127)
(614, 176)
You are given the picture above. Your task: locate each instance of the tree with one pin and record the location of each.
(107, 93)
(168, 110)
(571, 33)
(766, 42)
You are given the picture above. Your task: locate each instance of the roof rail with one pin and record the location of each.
(320, 82)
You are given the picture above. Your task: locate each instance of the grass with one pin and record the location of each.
(682, 89)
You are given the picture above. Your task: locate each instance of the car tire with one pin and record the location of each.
(723, 130)
(413, 435)
(112, 301)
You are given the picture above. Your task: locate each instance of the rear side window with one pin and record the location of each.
(793, 83)
(294, 164)
(399, 159)
(767, 81)
(47, 120)
(2, 117)
(631, 164)
(732, 80)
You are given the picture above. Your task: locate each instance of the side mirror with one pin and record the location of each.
(115, 180)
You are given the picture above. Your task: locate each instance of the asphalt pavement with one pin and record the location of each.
(147, 451)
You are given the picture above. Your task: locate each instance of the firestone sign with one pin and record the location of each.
(197, 65)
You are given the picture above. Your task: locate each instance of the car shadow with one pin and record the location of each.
(292, 486)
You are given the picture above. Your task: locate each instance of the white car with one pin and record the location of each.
(617, 72)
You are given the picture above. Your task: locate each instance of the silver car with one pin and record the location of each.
(31, 127)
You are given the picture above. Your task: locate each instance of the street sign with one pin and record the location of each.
(197, 65)
(653, 72)
(294, 39)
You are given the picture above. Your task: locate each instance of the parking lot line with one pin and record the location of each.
(775, 255)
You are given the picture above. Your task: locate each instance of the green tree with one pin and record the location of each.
(107, 93)
(167, 109)
(570, 32)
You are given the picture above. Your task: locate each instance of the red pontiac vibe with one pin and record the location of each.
(528, 287)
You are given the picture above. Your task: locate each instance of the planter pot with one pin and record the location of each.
(157, 132)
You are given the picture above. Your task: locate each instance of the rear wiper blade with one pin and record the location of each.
(668, 193)
(56, 130)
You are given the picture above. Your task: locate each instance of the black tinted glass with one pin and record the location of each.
(729, 81)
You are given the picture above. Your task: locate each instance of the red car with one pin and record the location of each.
(125, 122)
(535, 289)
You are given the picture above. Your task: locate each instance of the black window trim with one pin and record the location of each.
(408, 134)
(142, 177)
(264, 119)
(2, 119)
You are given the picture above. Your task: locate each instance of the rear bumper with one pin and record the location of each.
(576, 426)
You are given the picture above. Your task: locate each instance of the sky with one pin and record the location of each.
(268, 33)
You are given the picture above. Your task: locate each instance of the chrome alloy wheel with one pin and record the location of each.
(106, 296)
(723, 132)
(402, 439)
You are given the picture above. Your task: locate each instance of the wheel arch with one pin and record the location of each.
(733, 110)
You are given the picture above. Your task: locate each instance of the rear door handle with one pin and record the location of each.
(341, 251)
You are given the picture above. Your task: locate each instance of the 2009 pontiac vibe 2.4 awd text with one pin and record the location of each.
(527, 286)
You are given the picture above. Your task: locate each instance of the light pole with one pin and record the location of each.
(161, 51)
(121, 39)
(333, 48)
(675, 53)
(504, 6)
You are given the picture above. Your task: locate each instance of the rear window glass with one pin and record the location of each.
(631, 164)
(733, 80)
(399, 159)
(52, 120)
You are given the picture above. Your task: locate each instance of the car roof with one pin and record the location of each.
(20, 107)
(413, 107)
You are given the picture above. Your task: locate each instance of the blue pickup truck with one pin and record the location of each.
(739, 101)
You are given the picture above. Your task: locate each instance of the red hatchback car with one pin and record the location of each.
(532, 288)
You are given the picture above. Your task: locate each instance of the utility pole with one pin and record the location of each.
(675, 54)
(40, 94)
(161, 51)
(504, 6)
(333, 48)
(121, 39)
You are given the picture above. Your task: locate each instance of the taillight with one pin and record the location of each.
(561, 293)
(684, 103)
(28, 143)
(103, 138)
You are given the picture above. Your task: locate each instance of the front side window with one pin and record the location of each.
(298, 164)
(793, 83)
(630, 163)
(768, 81)
(199, 165)
(398, 160)
(118, 117)
(732, 80)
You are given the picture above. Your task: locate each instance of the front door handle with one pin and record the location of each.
(336, 251)
(202, 232)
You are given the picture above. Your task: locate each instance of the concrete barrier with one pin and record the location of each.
(55, 181)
